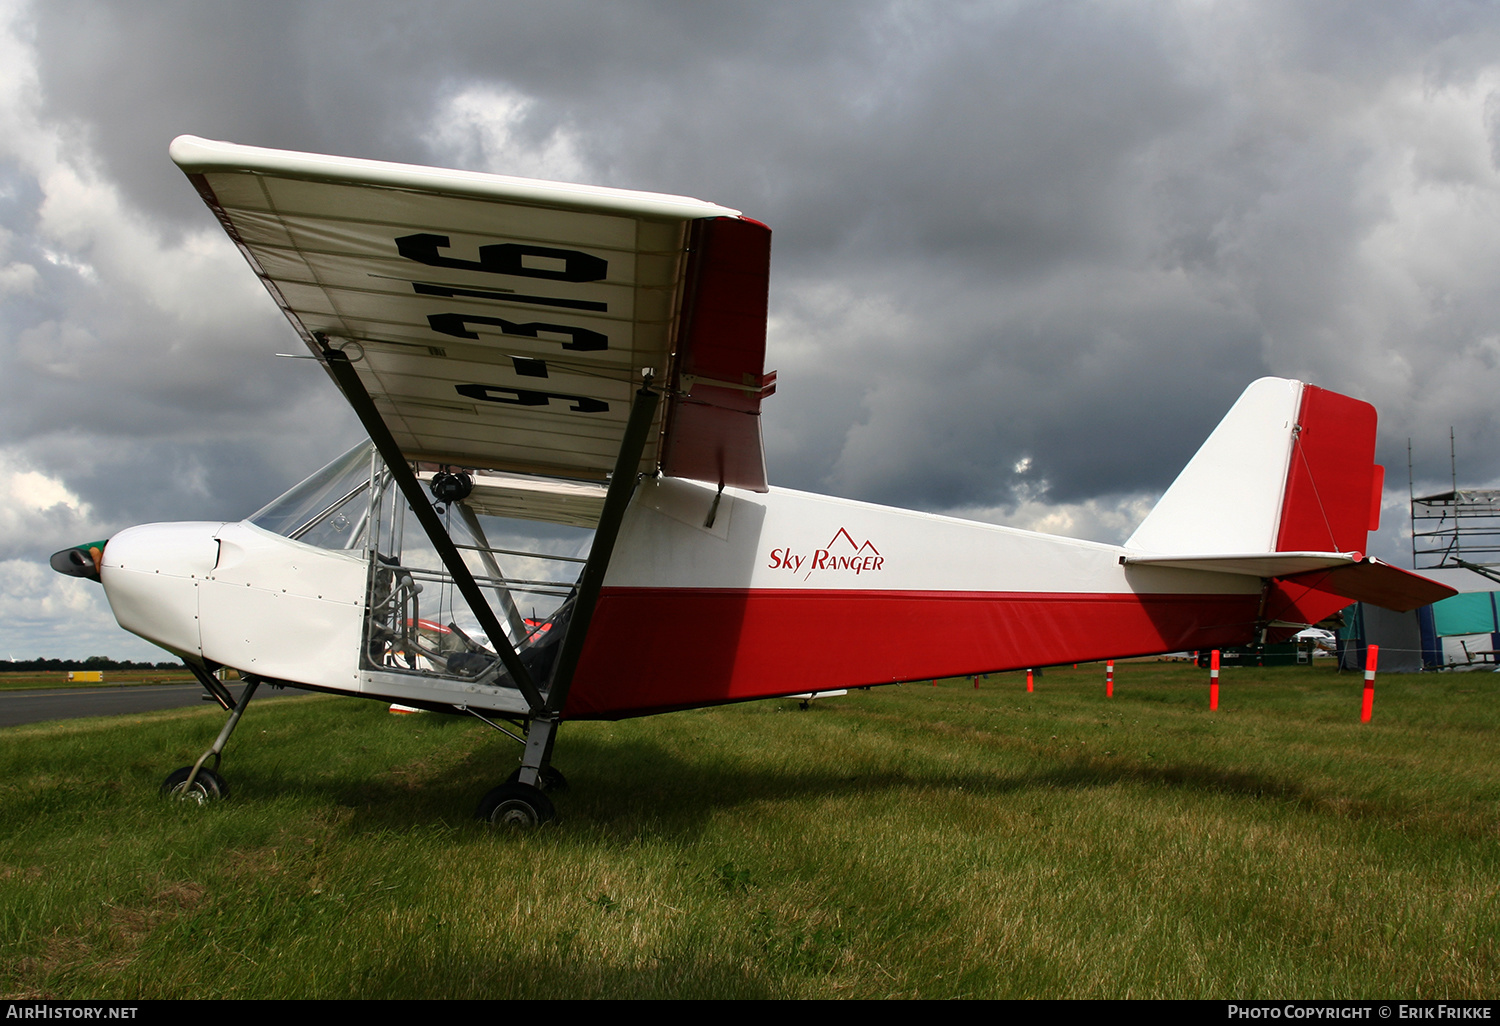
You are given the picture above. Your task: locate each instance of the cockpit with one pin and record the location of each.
(523, 539)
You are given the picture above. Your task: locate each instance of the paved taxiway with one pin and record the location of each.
(17, 707)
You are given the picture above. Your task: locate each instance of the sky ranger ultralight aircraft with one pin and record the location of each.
(594, 358)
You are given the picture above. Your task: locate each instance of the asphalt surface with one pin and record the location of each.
(17, 707)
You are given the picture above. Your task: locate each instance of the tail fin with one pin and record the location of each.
(1287, 489)
(1291, 468)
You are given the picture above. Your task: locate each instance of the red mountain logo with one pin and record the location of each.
(856, 546)
(842, 554)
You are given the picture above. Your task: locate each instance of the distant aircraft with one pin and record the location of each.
(594, 358)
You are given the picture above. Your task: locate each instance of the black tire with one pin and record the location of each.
(550, 779)
(208, 786)
(515, 805)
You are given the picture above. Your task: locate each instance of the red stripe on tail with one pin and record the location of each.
(1328, 499)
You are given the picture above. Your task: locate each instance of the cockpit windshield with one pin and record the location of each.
(329, 509)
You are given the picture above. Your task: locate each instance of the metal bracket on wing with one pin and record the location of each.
(760, 387)
(341, 367)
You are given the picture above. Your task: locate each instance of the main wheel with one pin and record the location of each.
(550, 779)
(207, 786)
(515, 805)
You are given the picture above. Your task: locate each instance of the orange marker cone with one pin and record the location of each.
(1372, 656)
(1109, 679)
(1213, 681)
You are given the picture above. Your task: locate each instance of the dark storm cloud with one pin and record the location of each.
(363, 78)
(1025, 253)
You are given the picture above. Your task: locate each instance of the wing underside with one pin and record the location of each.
(502, 323)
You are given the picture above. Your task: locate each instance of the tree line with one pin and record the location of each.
(91, 663)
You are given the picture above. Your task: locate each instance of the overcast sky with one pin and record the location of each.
(1025, 254)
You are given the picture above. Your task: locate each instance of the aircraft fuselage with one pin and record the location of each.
(774, 593)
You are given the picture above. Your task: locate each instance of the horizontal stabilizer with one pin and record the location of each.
(1345, 574)
(1251, 564)
(1377, 583)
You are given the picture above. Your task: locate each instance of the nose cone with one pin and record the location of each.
(81, 560)
(151, 576)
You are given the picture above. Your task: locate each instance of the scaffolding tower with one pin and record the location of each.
(1459, 527)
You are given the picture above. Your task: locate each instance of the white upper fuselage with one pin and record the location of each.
(790, 540)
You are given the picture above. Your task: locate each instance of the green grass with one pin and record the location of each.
(913, 841)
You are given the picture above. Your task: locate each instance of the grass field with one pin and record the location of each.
(912, 841)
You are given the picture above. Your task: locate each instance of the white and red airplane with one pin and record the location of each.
(594, 358)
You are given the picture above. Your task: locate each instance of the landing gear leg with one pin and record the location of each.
(199, 784)
(520, 801)
(539, 738)
(549, 777)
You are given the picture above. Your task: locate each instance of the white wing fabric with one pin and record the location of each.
(504, 323)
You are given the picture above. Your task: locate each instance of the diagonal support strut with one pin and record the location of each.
(621, 487)
(364, 407)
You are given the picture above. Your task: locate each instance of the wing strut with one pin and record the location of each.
(621, 488)
(348, 381)
(513, 617)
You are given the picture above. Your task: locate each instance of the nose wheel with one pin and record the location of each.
(207, 786)
(197, 783)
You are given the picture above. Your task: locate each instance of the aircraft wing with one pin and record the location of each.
(503, 323)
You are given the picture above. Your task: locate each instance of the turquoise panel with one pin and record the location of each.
(1471, 613)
